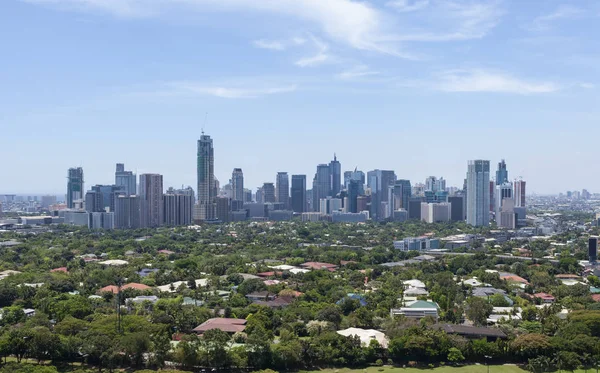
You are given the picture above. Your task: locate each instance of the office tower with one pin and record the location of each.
(268, 191)
(478, 193)
(430, 183)
(362, 203)
(299, 203)
(457, 211)
(501, 173)
(335, 171)
(207, 184)
(247, 195)
(75, 187)
(414, 207)
(347, 177)
(151, 194)
(435, 212)
(328, 205)
(101, 198)
(440, 185)
(48, 201)
(418, 190)
(507, 217)
(224, 209)
(321, 185)
(503, 191)
(402, 193)
(178, 207)
(379, 181)
(237, 185)
(353, 191)
(593, 249)
(101, 220)
(125, 180)
(260, 197)
(519, 192)
(282, 192)
(492, 195)
(127, 212)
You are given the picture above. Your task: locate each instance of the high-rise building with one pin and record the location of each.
(127, 212)
(224, 209)
(362, 203)
(430, 183)
(237, 185)
(503, 191)
(335, 171)
(75, 187)
(593, 249)
(247, 195)
(519, 192)
(401, 194)
(457, 211)
(507, 218)
(125, 180)
(151, 194)
(321, 185)
(358, 176)
(268, 191)
(478, 193)
(379, 181)
(501, 173)
(177, 207)
(282, 192)
(435, 212)
(102, 197)
(299, 193)
(328, 205)
(353, 190)
(48, 201)
(207, 184)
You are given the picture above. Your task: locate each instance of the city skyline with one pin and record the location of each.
(121, 75)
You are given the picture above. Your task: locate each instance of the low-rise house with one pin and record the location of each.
(545, 297)
(471, 282)
(114, 262)
(472, 332)
(227, 325)
(278, 302)
(60, 269)
(145, 272)
(417, 309)
(260, 296)
(366, 336)
(414, 283)
(415, 292)
(319, 265)
(132, 285)
(512, 278)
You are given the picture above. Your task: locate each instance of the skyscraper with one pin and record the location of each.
(178, 206)
(127, 212)
(268, 190)
(379, 181)
(207, 191)
(478, 193)
(237, 184)
(335, 171)
(501, 173)
(503, 191)
(299, 193)
(125, 180)
(321, 185)
(402, 194)
(358, 176)
(353, 189)
(282, 192)
(519, 192)
(75, 187)
(151, 195)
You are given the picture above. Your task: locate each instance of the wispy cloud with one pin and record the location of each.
(489, 81)
(356, 72)
(223, 91)
(404, 6)
(543, 22)
(278, 45)
(321, 57)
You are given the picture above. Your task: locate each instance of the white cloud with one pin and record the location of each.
(231, 92)
(563, 12)
(278, 45)
(407, 6)
(488, 81)
(356, 72)
(321, 57)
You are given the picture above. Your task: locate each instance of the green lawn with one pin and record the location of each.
(445, 369)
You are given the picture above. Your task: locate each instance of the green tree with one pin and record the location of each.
(455, 355)
(478, 310)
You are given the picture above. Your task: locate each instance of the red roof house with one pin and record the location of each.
(115, 289)
(60, 269)
(545, 297)
(225, 324)
(318, 265)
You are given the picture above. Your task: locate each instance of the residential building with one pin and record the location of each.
(101, 220)
(178, 208)
(329, 205)
(101, 198)
(519, 193)
(435, 212)
(299, 204)
(151, 195)
(282, 189)
(503, 191)
(125, 180)
(237, 185)
(247, 195)
(207, 184)
(349, 217)
(128, 212)
(417, 309)
(457, 211)
(75, 188)
(268, 192)
(224, 209)
(478, 193)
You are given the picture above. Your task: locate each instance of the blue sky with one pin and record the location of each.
(417, 86)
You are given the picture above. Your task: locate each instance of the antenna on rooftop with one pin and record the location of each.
(204, 124)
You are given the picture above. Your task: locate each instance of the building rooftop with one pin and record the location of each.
(471, 331)
(366, 336)
(225, 324)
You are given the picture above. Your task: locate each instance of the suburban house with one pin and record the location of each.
(132, 285)
(319, 265)
(544, 297)
(417, 309)
(366, 336)
(225, 324)
(260, 296)
(472, 332)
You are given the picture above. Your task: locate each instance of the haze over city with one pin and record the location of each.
(418, 87)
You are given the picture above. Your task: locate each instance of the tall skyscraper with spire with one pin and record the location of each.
(501, 173)
(335, 172)
(207, 192)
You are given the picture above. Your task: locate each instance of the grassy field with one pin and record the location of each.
(445, 369)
